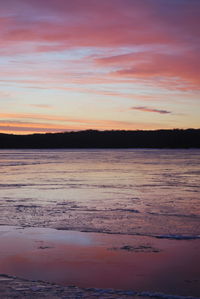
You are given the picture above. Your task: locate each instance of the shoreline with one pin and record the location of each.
(15, 287)
(105, 232)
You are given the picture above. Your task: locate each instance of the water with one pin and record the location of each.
(149, 192)
(125, 262)
(125, 219)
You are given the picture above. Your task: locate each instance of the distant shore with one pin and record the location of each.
(176, 138)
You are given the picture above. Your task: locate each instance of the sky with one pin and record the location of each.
(99, 64)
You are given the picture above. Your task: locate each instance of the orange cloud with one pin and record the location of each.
(47, 123)
(41, 106)
(61, 119)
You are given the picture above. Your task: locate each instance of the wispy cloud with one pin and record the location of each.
(180, 70)
(170, 56)
(41, 106)
(148, 109)
(48, 123)
(62, 119)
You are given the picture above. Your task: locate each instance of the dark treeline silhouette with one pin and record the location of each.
(176, 138)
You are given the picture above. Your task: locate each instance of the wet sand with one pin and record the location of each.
(102, 261)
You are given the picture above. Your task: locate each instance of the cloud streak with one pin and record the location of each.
(43, 106)
(148, 109)
(15, 122)
(160, 68)
(61, 119)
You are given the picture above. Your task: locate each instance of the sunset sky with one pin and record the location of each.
(99, 64)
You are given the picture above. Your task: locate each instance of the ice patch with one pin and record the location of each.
(177, 237)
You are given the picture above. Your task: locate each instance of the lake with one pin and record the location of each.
(150, 197)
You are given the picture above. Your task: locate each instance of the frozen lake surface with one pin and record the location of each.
(138, 191)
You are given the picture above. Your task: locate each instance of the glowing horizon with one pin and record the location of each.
(109, 64)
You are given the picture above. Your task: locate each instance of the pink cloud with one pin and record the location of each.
(77, 23)
(168, 30)
(180, 70)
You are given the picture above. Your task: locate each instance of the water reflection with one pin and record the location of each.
(105, 261)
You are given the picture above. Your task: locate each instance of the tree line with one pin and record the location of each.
(176, 138)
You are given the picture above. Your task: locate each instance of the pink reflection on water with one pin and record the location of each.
(97, 260)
